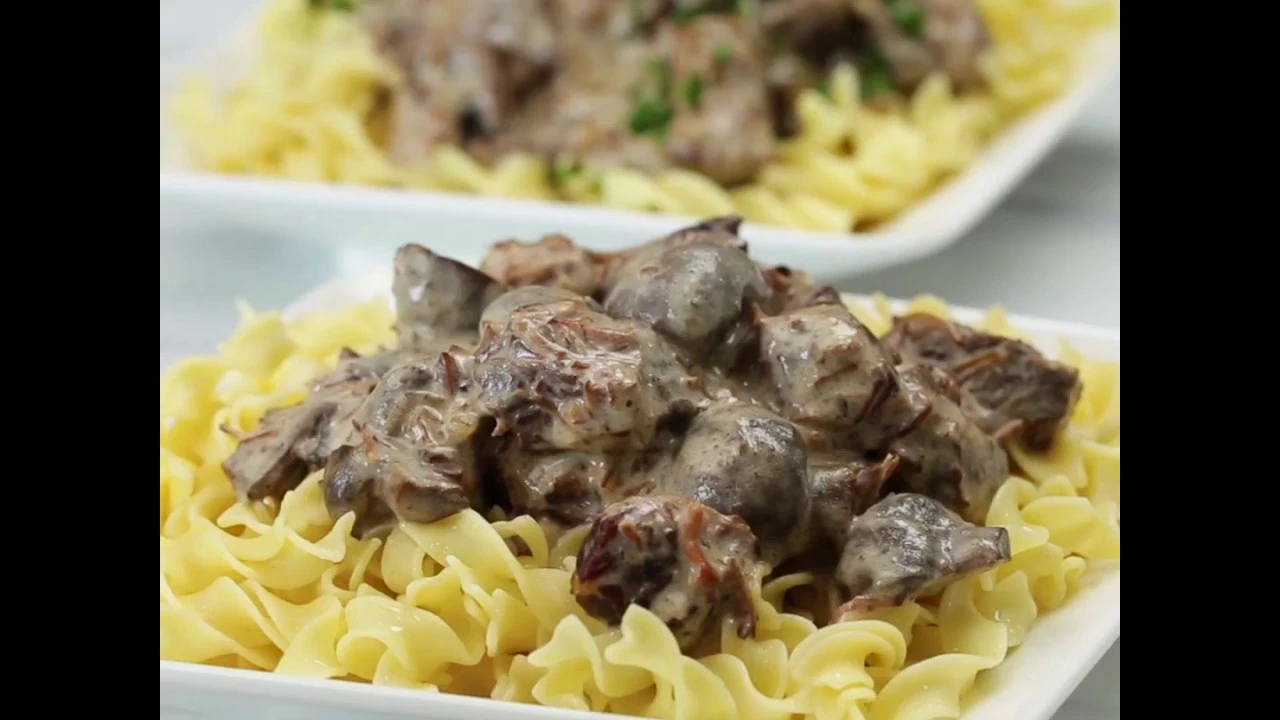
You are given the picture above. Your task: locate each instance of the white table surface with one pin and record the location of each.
(1051, 249)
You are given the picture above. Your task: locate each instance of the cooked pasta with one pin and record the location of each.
(310, 109)
(451, 606)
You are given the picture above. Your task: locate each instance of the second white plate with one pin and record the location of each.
(464, 225)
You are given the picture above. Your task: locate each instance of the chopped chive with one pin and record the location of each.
(724, 53)
(336, 5)
(660, 69)
(685, 15)
(874, 78)
(650, 117)
(874, 83)
(907, 15)
(564, 170)
(693, 91)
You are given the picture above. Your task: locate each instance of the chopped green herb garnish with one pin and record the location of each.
(745, 8)
(693, 91)
(650, 117)
(660, 69)
(874, 83)
(907, 15)
(564, 170)
(824, 87)
(724, 53)
(874, 78)
(685, 15)
(337, 5)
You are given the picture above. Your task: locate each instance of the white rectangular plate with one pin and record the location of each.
(1031, 684)
(463, 225)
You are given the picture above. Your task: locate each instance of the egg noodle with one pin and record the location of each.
(309, 110)
(449, 607)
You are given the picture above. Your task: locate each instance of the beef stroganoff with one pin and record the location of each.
(667, 482)
(817, 114)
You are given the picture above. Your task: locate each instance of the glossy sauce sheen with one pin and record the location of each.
(706, 418)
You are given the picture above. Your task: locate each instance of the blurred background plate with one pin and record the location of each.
(464, 225)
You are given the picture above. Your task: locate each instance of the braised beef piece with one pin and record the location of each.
(899, 43)
(438, 300)
(583, 118)
(947, 455)
(498, 313)
(919, 37)
(413, 453)
(742, 460)
(646, 84)
(793, 289)
(553, 261)
(1012, 380)
(708, 416)
(842, 485)
(698, 296)
(836, 381)
(464, 66)
(560, 376)
(907, 546)
(291, 442)
(721, 122)
(721, 230)
(815, 29)
(830, 373)
(680, 559)
(563, 487)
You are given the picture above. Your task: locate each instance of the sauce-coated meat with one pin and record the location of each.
(697, 296)
(707, 85)
(438, 300)
(681, 560)
(412, 453)
(1011, 379)
(703, 419)
(909, 545)
(291, 442)
(745, 461)
(553, 261)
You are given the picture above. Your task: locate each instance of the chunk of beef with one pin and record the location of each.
(554, 261)
(831, 375)
(919, 37)
(698, 296)
(412, 455)
(498, 313)
(464, 66)
(560, 376)
(786, 77)
(1009, 378)
(907, 546)
(811, 27)
(742, 460)
(582, 119)
(438, 300)
(680, 559)
(843, 485)
(721, 230)
(947, 455)
(721, 121)
(293, 441)
(563, 487)
(793, 289)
